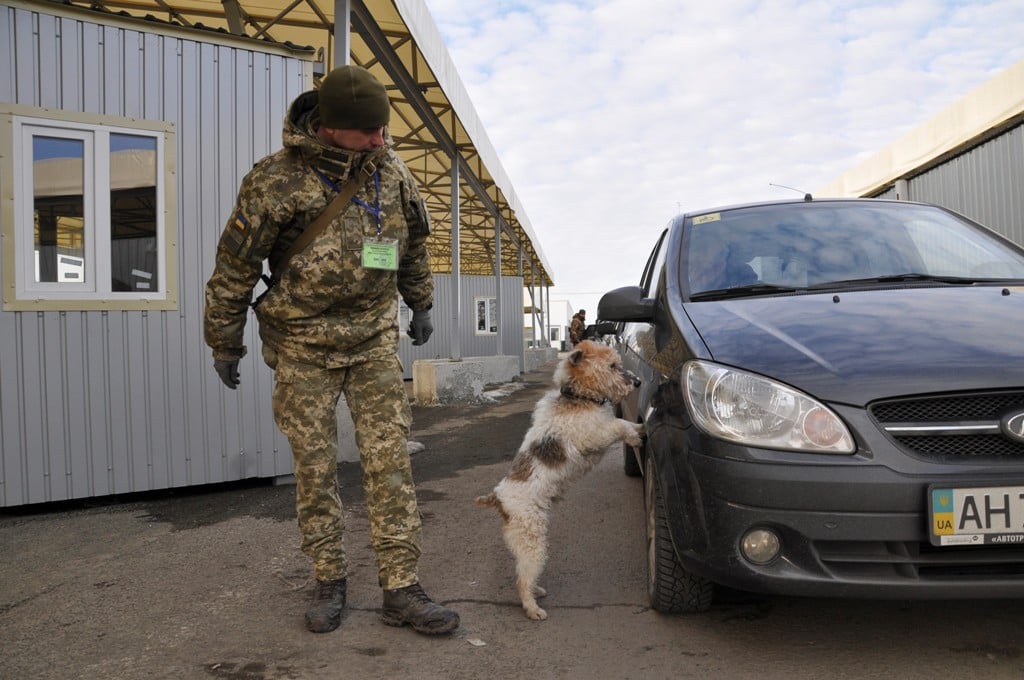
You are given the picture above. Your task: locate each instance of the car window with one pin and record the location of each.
(654, 265)
(800, 245)
(943, 253)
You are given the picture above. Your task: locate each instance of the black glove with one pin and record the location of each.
(228, 371)
(420, 328)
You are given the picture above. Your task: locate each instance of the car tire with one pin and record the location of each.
(671, 589)
(631, 462)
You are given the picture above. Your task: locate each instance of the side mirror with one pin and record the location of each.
(626, 304)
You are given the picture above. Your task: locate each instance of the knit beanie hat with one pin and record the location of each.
(351, 98)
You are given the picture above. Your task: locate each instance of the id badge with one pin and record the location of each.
(380, 253)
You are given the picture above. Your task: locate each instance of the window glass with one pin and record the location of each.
(134, 265)
(947, 251)
(814, 244)
(58, 214)
(654, 264)
(486, 316)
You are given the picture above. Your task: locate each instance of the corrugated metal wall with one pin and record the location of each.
(100, 403)
(471, 344)
(986, 183)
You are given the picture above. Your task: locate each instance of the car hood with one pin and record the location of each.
(856, 346)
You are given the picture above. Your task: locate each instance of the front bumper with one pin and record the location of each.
(849, 527)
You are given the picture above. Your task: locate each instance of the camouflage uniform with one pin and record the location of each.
(330, 326)
(576, 329)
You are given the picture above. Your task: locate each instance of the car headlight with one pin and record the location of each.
(752, 410)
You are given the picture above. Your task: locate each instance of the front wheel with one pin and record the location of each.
(671, 588)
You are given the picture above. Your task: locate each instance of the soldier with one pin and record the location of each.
(328, 325)
(578, 325)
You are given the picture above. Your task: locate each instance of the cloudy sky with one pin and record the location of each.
(610, 116)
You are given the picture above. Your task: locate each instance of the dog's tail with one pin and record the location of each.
(488, 501)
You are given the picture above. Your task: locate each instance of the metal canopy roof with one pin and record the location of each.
(433, 120)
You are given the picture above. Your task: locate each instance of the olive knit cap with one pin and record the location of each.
(351, 98)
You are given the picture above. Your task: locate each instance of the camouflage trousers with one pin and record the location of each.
(305, 401)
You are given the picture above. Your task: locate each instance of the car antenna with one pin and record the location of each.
(807, 195)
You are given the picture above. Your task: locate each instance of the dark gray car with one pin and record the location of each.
(834, 401)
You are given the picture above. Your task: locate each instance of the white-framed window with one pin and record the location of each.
(90, 226)
(486, 315)
(554, 333)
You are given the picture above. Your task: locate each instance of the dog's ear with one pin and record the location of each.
(576, 357)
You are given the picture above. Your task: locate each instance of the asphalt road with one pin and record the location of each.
(211, 584)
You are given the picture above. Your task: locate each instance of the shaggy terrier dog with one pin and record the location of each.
(572, 426)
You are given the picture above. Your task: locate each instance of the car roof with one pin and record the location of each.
(796, 201)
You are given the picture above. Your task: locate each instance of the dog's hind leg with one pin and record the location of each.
(526, 538)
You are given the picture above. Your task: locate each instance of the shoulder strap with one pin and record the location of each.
(333, 209)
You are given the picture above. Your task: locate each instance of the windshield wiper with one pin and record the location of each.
(749, 290)
(913, 277)
(755, 289)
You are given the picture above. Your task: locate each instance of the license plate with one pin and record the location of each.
(976, 516)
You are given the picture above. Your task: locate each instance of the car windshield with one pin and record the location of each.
(794, 247)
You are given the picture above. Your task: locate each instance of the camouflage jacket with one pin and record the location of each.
(576, 329)
(327, 309)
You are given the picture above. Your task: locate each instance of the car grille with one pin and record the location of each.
(869, 560)
(951, 425)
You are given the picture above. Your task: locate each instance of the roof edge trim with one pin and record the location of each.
(986, 108)
(424, 30)
(155, 25)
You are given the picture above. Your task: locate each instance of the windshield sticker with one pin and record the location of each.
(710, 217)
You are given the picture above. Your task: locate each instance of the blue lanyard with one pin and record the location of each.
(372, 209)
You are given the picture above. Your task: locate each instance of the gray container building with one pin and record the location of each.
(144, 130)
(968, 158)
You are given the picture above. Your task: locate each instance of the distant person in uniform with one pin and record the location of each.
(328, 324)
(577, 327)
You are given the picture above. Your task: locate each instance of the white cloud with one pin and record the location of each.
(611, 116)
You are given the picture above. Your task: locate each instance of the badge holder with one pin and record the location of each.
(380, 253)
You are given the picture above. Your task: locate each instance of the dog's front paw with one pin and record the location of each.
(636, 435)
(536, 613)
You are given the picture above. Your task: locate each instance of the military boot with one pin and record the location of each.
(324, 612)
(411, 605)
